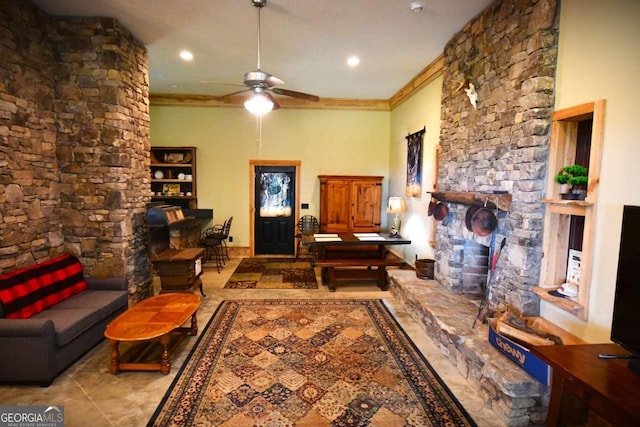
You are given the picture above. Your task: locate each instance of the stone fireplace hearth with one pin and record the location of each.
(447, 317)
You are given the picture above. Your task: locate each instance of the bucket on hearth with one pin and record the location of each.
(424, 268)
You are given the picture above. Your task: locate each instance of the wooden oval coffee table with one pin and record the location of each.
(153, 320)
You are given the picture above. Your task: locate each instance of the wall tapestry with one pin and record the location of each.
(414, 163)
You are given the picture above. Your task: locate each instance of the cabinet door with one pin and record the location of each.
(335, 215)
(366, 206)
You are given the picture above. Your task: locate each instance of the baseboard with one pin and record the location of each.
(238, 251)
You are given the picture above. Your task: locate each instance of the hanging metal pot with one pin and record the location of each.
(440, 211)
(469, 215)
(432, 207)
(483, 222)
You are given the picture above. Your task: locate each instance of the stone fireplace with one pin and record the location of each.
(508, 53)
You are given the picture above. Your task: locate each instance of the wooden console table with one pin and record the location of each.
(587, 390)
(179, 269)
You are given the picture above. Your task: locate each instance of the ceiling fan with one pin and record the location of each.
(261, 83)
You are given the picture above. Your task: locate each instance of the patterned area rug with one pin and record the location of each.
(310, 363)
(272, 273)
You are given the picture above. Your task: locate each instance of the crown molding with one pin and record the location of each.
(425, 76)
(182, 100)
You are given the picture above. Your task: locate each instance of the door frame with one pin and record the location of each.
(252, 190)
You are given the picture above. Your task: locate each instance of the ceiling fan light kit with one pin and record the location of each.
(258, 104)
(260, 83)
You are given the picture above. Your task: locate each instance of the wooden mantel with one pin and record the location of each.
(500, 201)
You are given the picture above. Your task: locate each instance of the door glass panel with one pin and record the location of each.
(275, 194)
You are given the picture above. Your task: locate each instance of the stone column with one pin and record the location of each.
(102, 111)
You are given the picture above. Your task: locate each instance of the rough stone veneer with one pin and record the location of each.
(509, 53)
(74, 144)
(447, 317)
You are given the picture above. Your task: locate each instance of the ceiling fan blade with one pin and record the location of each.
(272, 81)
(295, 94)
(228, 96)
(211, 82)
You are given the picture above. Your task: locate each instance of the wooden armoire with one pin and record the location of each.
(350, 203)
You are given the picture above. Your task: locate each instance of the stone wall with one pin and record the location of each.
(509, 54)
(74, 123)
(30, 229)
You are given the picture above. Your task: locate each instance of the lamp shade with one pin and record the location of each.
(396, 205)
(258, 104)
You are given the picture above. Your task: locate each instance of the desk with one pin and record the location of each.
(342, 256)
(179, 269)
(586, 390)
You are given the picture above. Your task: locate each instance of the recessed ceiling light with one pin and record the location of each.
(186, 55)
(353, 61)
(416, 6)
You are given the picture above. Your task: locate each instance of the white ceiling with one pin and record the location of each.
(304, 42)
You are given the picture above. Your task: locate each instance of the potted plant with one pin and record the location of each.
(577, 177)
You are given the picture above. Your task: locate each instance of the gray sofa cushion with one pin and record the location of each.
(106, 301)
(70, 323)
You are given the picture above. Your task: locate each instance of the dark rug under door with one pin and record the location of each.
(273, 273)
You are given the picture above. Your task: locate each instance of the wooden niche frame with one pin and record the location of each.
(560, 216)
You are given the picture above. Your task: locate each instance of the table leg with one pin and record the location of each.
(332, 279)
(194, 325)
(165, 364)
(325, 275)
(115, 357)
(382, 278)
(553, 414)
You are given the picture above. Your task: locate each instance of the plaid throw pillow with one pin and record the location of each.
(30, 290)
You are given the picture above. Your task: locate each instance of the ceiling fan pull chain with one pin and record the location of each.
(259, 31)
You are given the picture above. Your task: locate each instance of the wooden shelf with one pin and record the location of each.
(563, 303)
(567, 207)
(584, 203)
(171, 165)
(174, 197)
(168, 187)
(500, 201)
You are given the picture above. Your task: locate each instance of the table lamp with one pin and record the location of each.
(396, 206)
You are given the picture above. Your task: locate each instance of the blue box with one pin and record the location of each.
(520, 355)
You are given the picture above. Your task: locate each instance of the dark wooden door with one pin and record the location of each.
(275, 210)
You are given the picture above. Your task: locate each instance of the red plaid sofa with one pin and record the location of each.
(50, 315)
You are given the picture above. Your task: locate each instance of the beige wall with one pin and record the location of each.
(421, 110)
(326, 142)
(599, 58)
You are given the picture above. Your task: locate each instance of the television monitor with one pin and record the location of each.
(626, 306)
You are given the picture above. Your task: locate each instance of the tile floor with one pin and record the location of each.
(93, 396)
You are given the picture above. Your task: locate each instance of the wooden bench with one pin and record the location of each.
(351, 269)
